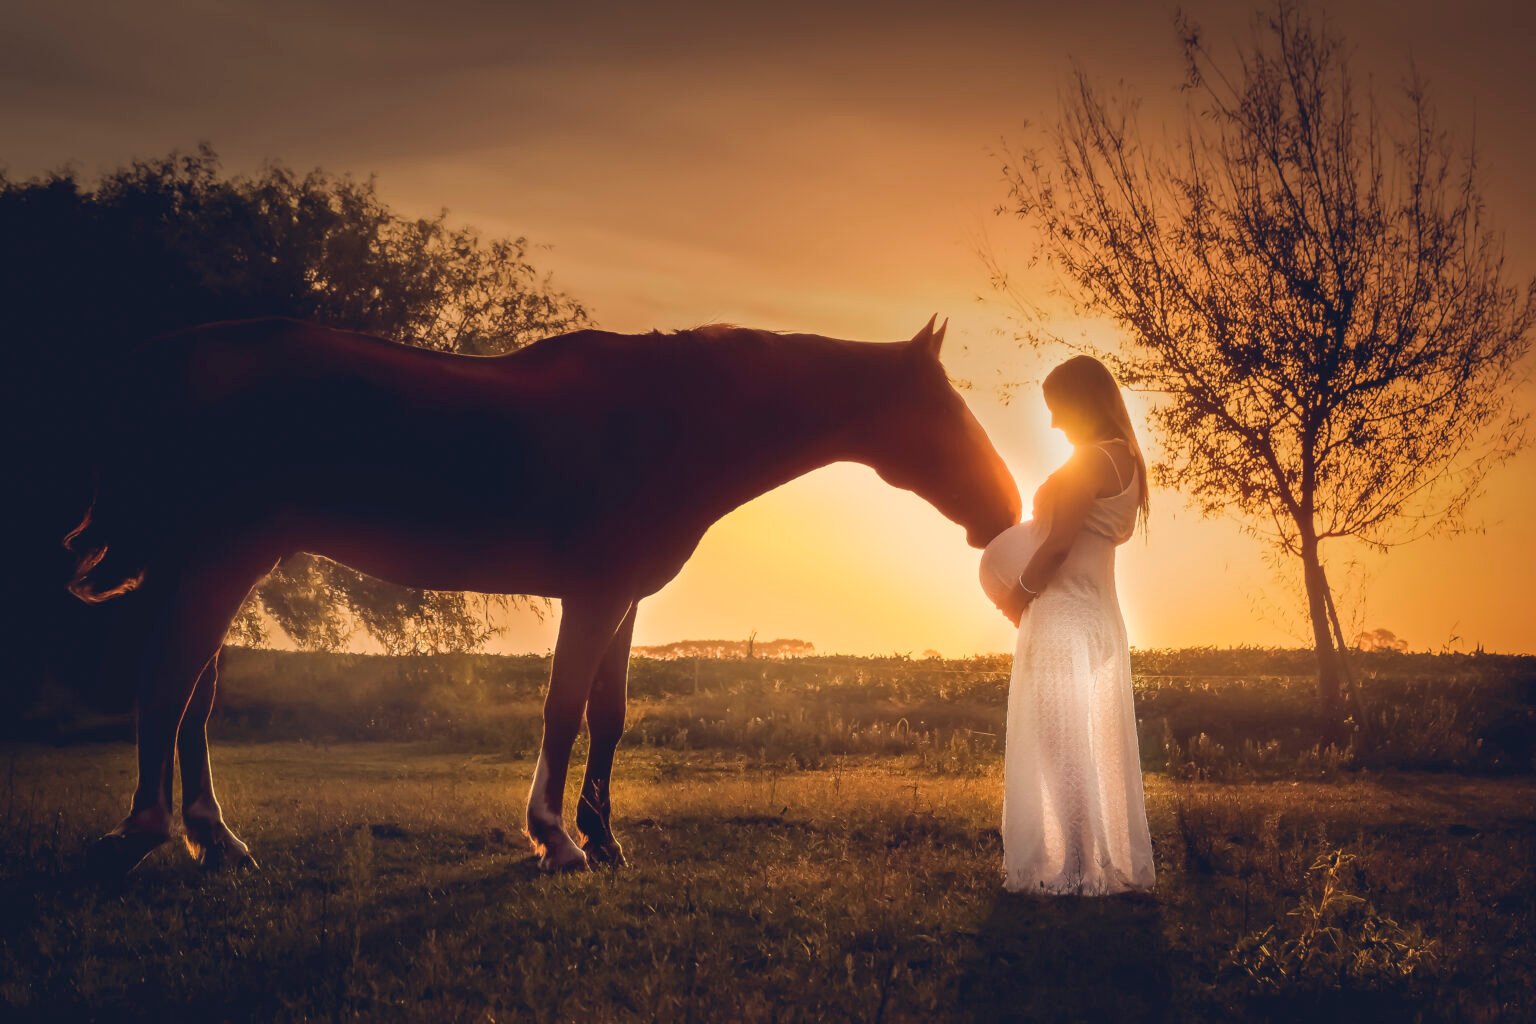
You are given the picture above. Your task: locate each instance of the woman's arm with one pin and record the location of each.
(1066, 498)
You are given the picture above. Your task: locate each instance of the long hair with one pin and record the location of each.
(1085, 384)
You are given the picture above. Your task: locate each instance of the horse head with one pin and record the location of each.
(927, 441)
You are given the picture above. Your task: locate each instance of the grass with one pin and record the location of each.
(395, 886)
(1204, 713)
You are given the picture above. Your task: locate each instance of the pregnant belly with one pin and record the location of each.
(1007, 555)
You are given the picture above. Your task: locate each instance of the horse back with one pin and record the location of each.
(255, 421)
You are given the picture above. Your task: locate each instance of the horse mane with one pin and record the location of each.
(720, 348)
(720, 334)
(717, 331)
(752, 353)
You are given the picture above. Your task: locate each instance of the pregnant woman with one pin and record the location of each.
(1074, 818)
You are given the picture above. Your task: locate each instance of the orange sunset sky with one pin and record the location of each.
(816, 167)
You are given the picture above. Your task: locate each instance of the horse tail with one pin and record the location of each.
(123, 425)
(107, 543)
(108, 563)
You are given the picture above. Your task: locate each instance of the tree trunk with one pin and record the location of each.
(1354, 701)
(1329, 699)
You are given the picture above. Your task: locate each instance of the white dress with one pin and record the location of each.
(1074, 817)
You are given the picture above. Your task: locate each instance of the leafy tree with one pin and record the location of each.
(1380, 640)
(1317, 298)
(164, 243)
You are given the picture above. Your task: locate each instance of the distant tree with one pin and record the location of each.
(789, 649)
(1379, 640)
(1319, 301)
(90, 268)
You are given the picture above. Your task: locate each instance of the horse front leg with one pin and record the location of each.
(208, 838)
(587, 627)
(605, 725)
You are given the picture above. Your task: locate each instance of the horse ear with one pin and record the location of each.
(927, 341)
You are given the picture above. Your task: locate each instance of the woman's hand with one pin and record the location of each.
(1015, 603)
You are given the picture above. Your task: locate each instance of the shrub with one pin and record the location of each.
(1335, 938)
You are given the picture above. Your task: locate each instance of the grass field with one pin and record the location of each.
(395, 885)
(811, 839)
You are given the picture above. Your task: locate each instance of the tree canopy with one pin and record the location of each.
(159, 244)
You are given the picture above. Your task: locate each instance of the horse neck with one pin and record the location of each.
(787, 415)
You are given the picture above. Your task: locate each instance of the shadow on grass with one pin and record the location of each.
(172, 941)
(1048, 958)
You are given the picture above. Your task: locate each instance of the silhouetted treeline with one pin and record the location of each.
(752, 648)
(92, 267)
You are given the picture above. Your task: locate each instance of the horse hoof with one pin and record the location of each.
(564, 860)
(117, 853)
(609, 854)
(222, 853)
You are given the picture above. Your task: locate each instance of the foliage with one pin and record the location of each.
(320, 604)
(1424, 731)
(1335, 937)
(751, 648)
(1202, 757)
(1202, 714)
(1319, 300)
(92, 267)
(1380, 640)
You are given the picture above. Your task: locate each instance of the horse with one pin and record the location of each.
(584, 467)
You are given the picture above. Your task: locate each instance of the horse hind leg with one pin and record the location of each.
(190, 612)
(208, 839)
(587, 628)
(605, 725)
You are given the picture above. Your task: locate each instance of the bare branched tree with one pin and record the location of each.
(1317, 298)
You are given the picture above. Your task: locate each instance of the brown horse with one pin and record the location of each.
(584, 467)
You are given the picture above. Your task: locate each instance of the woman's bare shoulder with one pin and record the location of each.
(1091, 472)
(1077, 475)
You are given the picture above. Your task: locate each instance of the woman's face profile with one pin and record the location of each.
(1068, 419)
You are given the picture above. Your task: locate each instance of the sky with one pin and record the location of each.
(820, 167)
